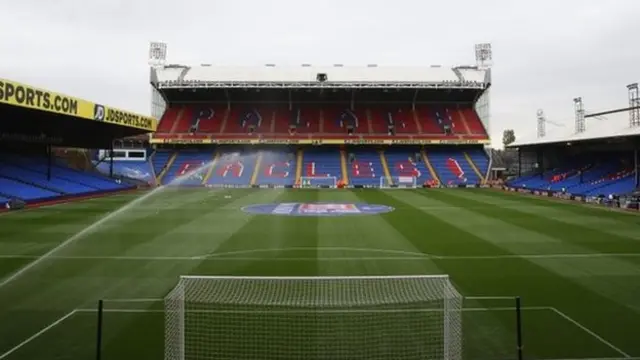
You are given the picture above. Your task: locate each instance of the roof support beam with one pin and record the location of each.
(321, 85)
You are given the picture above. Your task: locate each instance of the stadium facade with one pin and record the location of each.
(360, 126)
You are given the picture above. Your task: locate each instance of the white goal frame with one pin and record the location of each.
(333, 186)
(425, 308)
(399, 182)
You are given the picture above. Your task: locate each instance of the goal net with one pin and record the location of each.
(318, 181)
(337, 318)
(398, 182)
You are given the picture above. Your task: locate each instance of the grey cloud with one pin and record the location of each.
(546, 52)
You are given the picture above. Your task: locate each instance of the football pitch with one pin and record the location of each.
(576, 268)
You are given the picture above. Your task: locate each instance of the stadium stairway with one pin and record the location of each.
(426, 119)
(473, 121)
(479, 162)
(385, 167)
(276, 168)
(176, 119)
(322, 163)
(416, 120)
(256, 169)
(404, 162)
(344, 167)
(299, 165)
(380, 120)
(233, 168)
(427, 161)
(161, 161)
(184, 120)
(366, 169)
(214, 163)
(186, 161)
(168, 119)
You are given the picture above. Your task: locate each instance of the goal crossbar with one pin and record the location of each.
(364, 277)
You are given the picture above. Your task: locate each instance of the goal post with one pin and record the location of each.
(318, 181)
(398, 182)
(378, 317)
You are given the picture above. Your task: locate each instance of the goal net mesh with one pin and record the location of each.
(318, 181)
(398, 182)
(413, 317)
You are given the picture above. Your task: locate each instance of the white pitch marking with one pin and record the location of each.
(28, 340)
(133, 300)
(315, 310)
(590, 332)
(409, 256)
(253, 251)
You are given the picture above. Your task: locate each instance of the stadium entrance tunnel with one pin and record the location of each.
(317, 209)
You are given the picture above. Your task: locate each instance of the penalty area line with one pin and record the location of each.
(590, 332)
(230, 257)
(34, 336)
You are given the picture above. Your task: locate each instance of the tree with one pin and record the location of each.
(508, 137)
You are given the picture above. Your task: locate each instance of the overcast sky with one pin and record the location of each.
(545, 52)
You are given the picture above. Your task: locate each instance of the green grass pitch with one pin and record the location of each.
(576, 268)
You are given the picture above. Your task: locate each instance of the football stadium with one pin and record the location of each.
(314, 212)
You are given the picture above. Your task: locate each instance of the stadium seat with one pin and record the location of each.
(403, 162)
(452, 166)
(184, 120)
(65, 180)
(160, 159)
(24, 191)
(186, 162)
(284, 118)
(277, 168)
(234, 167)
(589, 175)
(427, 121)
(365, 168)
(457, 124)
(473, 121)
(53, 184)
(322, 163)
(168, 119)
(382, 118)
(332, 120)
(310, 120)
(480, 159)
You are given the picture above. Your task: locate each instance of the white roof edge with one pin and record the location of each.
(308, 72)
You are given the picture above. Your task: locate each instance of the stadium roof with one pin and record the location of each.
(306, 76)
(608, 126)
(29, 114)
(48, 102)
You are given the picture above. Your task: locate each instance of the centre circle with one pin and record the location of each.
(317, 209)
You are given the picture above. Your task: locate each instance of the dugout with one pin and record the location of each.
(36, 121)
